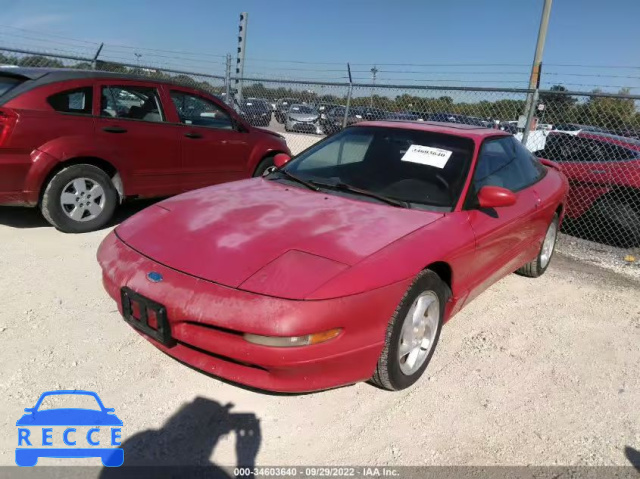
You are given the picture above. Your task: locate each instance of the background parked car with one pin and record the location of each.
(333, 120)
(604, 174)
(256, 112)
(403, 116)
(282, 106)
(303, 118)
(77, 143)
(456, 118)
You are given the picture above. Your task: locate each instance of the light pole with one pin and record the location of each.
(534, 79)
(374, 72)
(138, 55)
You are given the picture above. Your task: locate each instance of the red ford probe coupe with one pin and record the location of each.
(341, 265)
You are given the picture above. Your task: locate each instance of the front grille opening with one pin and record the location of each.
(223, 358)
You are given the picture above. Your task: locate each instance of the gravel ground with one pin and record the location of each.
(537, 372)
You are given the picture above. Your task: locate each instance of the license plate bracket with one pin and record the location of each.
(162, 333)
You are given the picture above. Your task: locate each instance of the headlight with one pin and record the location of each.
(292, 341)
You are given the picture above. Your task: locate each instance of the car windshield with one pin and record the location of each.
(66, 401)
(301, 109)
(422, 168)
(255, 105)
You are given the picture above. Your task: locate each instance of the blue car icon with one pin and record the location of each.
(67, 417)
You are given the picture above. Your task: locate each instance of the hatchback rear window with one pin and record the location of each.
(7, 83)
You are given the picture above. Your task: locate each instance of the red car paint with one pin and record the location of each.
(270, 259)
(151, 158)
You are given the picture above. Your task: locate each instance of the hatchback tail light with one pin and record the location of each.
(8, 120)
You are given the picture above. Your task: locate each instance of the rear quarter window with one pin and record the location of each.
(78, 100)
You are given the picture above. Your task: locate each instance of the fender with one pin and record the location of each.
(267, 144)
(62, 149)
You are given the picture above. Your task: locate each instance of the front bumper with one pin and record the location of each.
(304, 126)
(207, 321)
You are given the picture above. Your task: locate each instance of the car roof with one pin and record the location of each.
(44, 76)
(455, 129)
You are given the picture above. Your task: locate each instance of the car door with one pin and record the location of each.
(504, 236)
(214, 150)
(132, 127)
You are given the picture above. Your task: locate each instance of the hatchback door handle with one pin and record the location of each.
(114, 129)
(193, 135)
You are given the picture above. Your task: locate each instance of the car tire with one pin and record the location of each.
(619, 215)
(264, 164)
(394, 370)
(79, 181)
(539, 265)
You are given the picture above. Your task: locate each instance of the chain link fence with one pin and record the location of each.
(594, 137)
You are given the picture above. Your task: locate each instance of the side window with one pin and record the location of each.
(131, 102)
(506, 163)
(198, 111)
(79, 100)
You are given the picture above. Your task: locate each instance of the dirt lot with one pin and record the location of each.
(533, 372)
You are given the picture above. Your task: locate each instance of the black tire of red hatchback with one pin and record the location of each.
(539, 265)
(263, 166)
(412, 333)
(78, 199)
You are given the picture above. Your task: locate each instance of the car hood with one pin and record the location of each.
(303, 116)
(250, 233)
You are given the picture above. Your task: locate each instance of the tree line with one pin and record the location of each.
(614, 113)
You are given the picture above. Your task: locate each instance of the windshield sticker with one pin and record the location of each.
(426, 155)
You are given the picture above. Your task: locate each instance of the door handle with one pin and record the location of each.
(193, 135)
(114, 129)
(538, 203)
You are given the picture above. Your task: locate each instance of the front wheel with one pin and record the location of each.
(78, 199)
(539, 265)
(264, 165)
(412, 333)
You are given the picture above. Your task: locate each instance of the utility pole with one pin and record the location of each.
(94, 63)
(374, 72)
(534, 79)
(138, 55)
(242, 42)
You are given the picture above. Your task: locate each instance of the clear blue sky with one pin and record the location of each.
(581, 32)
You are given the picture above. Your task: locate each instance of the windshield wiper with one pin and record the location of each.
(352, 189)
(298, 180)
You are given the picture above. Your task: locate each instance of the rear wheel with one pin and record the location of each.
(79, 198)
(540, 264)
(412, 333)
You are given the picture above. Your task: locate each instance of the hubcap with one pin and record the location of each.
(549, 244)
(418, 332)
(82, 199)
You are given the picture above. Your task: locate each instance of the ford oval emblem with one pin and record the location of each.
(154, 277)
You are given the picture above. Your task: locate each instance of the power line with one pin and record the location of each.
(49, 34)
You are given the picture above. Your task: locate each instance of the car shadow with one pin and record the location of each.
(633, 456)
(183, 445)
(23, 217)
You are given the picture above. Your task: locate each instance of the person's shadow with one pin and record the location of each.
(183, 446)
(633, 456)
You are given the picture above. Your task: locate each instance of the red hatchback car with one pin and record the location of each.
(341, 265)
(77, 143)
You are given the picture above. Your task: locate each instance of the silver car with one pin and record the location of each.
(303, 118)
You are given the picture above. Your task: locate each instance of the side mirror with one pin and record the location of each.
(281, 159)
(495, 197)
